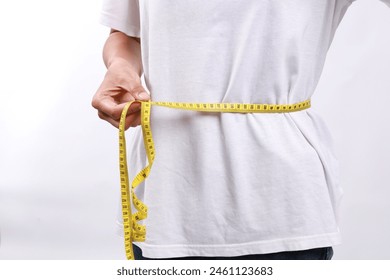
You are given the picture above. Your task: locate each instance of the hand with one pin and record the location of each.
(120, 86)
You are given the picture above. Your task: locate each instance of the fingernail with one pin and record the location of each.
(143, 95)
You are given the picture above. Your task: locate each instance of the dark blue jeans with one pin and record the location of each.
(324, 253)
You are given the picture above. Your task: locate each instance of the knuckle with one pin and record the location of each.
(95, 103)
(97, 98)
(101, 115)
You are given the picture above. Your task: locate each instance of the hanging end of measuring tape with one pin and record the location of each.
(130, 253)
(133, 231)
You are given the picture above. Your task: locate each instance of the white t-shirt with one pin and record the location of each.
(228, 184)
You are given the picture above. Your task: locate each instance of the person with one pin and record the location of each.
(227, 186)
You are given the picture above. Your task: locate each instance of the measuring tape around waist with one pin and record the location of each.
(133, 231)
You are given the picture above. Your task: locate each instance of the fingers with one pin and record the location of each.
(132, 120)
(111, 100)
(114, 110)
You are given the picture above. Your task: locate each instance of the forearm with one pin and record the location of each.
(124, 50)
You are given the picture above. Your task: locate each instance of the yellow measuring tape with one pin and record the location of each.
(133, 231)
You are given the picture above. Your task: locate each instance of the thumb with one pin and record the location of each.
(143, 95)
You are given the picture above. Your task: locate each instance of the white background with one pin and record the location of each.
(59, 185)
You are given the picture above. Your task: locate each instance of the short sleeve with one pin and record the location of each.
(387, 2)
(121, 15)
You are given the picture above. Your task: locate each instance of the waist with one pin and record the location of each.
(233, 107)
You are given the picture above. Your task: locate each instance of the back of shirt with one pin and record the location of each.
(234, 184)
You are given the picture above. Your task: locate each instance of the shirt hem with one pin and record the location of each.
(240, 249)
